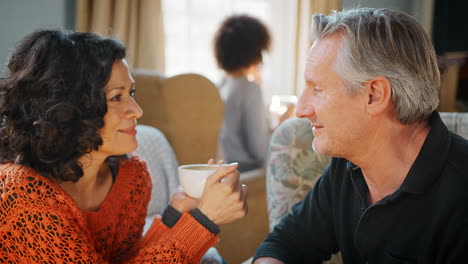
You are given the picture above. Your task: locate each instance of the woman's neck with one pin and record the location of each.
(92, 188)
(238, 73)
(252, 73)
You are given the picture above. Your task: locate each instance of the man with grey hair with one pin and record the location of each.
(395, 191)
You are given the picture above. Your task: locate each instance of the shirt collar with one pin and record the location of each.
(430, 161)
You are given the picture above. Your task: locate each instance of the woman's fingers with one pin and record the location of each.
(224, 199)
(212, 162)
(232, 179)
(221, 172)
(243, 192)
(243, 198)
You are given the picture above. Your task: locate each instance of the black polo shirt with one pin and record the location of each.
(424, 221)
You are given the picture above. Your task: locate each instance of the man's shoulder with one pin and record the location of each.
(450, 189)
(457, 158)
(459, 144)
(451, 185)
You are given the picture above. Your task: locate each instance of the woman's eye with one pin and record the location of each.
(132, 92)
(116, 98)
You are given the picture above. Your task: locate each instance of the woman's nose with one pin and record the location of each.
(134, 110)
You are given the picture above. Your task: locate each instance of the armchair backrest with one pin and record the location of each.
(188, 110)
(456, 122)
(293, 166)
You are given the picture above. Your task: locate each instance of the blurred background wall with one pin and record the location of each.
(20, 17)
(189, 26)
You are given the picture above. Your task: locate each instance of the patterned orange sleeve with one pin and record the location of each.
(34, 236)
(39, 224)
(50, 237)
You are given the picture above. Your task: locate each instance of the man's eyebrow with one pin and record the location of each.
(309, 81)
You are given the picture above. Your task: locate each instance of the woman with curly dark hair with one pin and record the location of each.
(239, 43)
(69, 190)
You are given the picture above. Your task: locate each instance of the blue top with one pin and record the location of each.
(245, 133)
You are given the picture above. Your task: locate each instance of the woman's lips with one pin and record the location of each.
(130, 131)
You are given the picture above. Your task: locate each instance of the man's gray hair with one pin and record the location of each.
(388, 43)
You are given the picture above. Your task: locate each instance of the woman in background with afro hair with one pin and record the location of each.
(239, 43)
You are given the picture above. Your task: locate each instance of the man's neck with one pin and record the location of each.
(389, 155)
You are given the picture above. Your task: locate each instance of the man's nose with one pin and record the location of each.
(304, 107)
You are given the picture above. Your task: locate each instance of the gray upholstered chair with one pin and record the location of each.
(154, 148)
(293, 167)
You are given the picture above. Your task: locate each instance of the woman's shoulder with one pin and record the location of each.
(20, 178)
(135, 170)
(24, 186)
(248, 87)
(132, 160)
(247, 92)
(133, 183)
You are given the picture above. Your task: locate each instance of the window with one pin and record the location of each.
(190, 26)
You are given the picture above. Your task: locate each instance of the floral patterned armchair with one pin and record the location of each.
(294, 167)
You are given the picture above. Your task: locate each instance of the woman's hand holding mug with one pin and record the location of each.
(224, 199)
(213, 188)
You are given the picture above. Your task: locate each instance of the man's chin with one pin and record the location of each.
(316, 147)
(321, 149)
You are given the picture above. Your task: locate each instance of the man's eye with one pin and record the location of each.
(116, 98)
(132, 92)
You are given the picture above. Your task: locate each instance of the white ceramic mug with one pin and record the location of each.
(193, 178)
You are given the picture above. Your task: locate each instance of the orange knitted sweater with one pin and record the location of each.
(40, 223)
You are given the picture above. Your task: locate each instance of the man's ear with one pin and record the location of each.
(379, 93)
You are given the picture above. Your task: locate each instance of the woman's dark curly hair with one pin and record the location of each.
(52, 103)
(239, 42)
